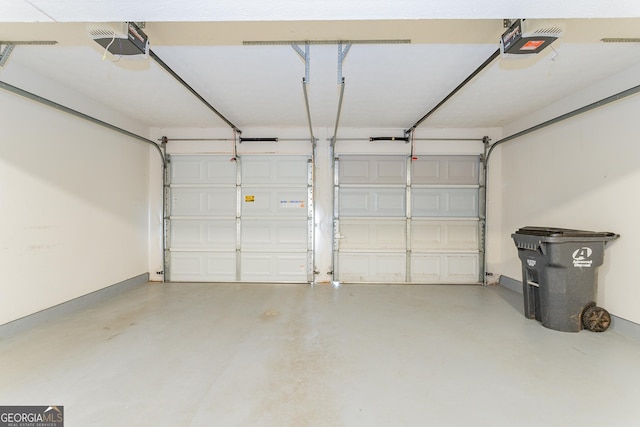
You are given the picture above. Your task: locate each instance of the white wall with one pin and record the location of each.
(582, 173)
(73, 200)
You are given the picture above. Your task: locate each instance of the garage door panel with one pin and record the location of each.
(367, 234)
(274, 236)
(218, 235)
(425, 171)
(380, 202)
(272, 222)
(462, 268)
(392, 171)
(427, 203)
(445, 268)
(273, 267)
(202, 266)
(374, 170)
(463, 171)
(428, 235)
(216, 170)
(280, 170)
(463, 235)
(445, 202)
(203, 202)
(445, 170)
(354, 170)
(463, 202)
(442, 221)
(444, 235)
(426, 268)
(372, 267)
(274, 202)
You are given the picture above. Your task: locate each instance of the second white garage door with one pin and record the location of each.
(401, 221)
(247, 220)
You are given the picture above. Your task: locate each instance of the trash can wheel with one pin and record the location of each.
(596, 319)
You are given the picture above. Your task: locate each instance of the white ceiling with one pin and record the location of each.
(296, 10)
(387, 85)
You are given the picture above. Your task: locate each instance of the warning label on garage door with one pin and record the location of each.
(249, 198)
(292, 203)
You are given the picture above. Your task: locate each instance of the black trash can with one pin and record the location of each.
(560, 276)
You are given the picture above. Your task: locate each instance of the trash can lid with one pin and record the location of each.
(562, 232)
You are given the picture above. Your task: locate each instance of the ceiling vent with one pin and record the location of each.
(530, 36)
(124, 39)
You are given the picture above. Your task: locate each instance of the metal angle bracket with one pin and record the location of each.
(342, 55)
(5, 53)
(306, 57)
(486, 142)
(9, 45)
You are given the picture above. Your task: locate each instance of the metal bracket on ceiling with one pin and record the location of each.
(5, 53)
(10, 45)
(306, 56)
(342, 55)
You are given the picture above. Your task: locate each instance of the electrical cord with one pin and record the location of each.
(106, 49)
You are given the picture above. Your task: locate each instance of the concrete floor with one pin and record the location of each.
(295, 355)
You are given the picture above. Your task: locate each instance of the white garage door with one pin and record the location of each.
(407, 222)
(248, 220)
